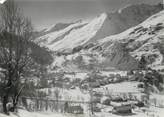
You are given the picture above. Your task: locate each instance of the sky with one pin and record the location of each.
(45, 13)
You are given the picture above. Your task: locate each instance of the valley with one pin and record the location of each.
(112, 65)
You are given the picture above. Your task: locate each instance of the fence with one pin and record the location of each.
(62, 106)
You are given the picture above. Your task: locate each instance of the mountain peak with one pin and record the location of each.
(70, 35)
(96, 33)
(104, 14)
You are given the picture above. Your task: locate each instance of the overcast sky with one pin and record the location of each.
(45, 13)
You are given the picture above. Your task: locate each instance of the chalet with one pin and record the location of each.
(95, 85)
(122, 109)
(103, 83)
(117, 99)
(75, 109)
(106, 100)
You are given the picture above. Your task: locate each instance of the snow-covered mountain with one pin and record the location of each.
(103, 42)
(54, 28)
(145, 39)
(50, 39)
(69, 35)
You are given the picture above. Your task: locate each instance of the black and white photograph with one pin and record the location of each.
(81, 58)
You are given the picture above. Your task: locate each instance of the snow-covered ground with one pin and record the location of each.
(153, 112)
(128, 89)
(123, 87)
(24, 113)
(68, 94)
(108, 73)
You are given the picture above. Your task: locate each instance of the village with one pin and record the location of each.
(81, 58)
(119, 93)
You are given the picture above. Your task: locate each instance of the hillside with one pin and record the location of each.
(67, 36)
(36, 50)
(82, 46)
(118, 51)
(146, 39)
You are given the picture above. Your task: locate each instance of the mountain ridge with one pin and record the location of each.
(144, 39)
(77, 48)
(100, 27)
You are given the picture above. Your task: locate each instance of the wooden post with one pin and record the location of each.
(37, 105)
(46, 104)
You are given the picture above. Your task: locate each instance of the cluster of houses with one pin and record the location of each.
(120, 104)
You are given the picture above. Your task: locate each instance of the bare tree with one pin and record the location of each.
(57, 96)
(93, 72)
(92, 76)
(15, 37)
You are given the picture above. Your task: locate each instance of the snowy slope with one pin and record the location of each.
(122, 51)
(146, 39)
(80, 36)
(84, 45)
(106, 24)
(58, 26)
(24, 113)
(52, 37)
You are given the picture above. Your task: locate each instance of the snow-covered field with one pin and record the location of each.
(24, 113)
(123, 87)
(68, 94)
(153, 112)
